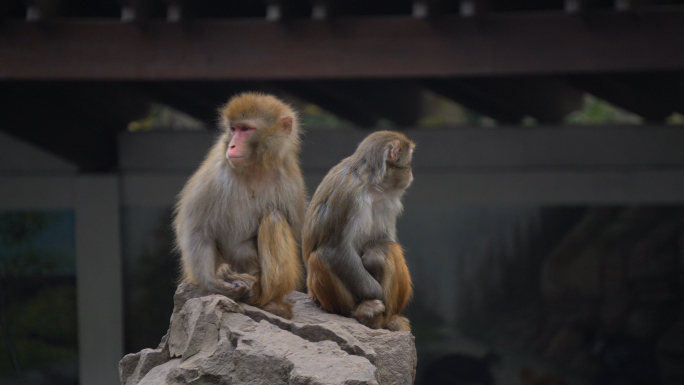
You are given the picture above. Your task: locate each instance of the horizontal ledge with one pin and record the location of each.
(549, 43)
(539, 187)
(551, 188)
(443, 150)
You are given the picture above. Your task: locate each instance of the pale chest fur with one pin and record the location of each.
(241, 206)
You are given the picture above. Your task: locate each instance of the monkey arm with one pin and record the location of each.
(199, 266)
(198, 255)
(346, 264)
(374, 257)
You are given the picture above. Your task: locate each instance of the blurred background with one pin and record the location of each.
(544, 230)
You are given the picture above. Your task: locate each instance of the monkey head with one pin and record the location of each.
(399, 174)
(260, 132)
(387, 157)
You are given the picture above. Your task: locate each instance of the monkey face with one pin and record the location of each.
(239, 148)
(399, 174)
(260, 133)
(398, 177)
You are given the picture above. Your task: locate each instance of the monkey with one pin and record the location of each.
(354, 264)
(238, 219)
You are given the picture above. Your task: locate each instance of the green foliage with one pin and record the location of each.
(443, 112)
(151, 284)
(598, 111)
(34, 353)
(38, 321)
(18, 255)
(42, 328)
(18, 228)
(50, 316)
(385, 124)
(163, 117)
(315, 117)
(675, 119)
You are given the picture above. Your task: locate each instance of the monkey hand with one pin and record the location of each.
(238, 290)
(235, 286)
(369, 313)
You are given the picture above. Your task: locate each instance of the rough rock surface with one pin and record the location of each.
(214, 340)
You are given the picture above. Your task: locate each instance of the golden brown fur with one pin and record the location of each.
(239, 217)
(354, 264)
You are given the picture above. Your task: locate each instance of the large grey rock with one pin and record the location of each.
(214, 340)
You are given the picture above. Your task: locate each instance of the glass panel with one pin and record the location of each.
(580, 295)
(38, 318)
(150, 275)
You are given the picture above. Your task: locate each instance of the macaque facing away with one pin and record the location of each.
(238, 219)
(349, 241)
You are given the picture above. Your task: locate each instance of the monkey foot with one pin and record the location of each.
(225, 273)
(237, 290)
(397, 323)
(234, 286)
(281, 309)
(369, 313)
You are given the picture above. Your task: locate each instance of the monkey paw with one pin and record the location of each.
(238, 290)
(235, 286)
(369, 313)
(225, 273)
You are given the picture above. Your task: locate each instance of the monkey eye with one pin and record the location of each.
(242, 128)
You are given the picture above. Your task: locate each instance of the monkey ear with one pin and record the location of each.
(286, 123)
(393, 153)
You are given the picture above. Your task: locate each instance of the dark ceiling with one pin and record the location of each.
(73, 73)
